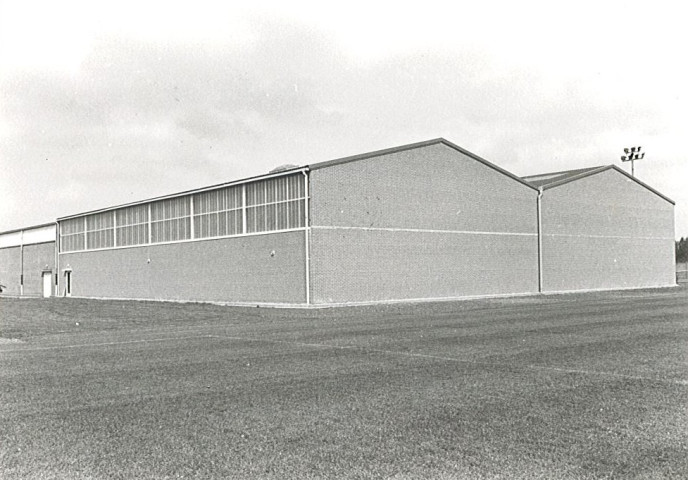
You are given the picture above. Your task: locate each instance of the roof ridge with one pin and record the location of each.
(374, 153)
(411, 146)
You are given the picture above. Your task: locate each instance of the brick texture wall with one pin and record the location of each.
(606, 231)
(36, 257)
(428, 222)
(239, 269)
(10, 269)
(433, 187)
(367, 266)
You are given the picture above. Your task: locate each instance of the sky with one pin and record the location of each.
(106, 103)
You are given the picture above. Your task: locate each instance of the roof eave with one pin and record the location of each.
(640, 182)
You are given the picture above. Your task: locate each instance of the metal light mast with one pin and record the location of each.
(632, 154)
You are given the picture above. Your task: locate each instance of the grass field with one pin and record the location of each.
(564, 386)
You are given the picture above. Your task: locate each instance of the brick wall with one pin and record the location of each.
(10, 269)
(239, 269)
(606, 231)
(377, 265)
(36, 257)
(433, 187)
(428, 222)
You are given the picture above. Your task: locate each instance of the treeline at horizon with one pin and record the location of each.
(682, 250)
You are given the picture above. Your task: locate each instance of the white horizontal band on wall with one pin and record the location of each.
(621, 237)
(28, 236)
(421, 230)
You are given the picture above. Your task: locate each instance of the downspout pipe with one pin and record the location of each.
(56, 280)
(308, 235)
(539, 236)
(21, 263)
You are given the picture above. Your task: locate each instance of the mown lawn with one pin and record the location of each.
(567, 386)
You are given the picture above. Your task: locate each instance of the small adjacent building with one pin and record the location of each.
(603, 229)
(28, 260)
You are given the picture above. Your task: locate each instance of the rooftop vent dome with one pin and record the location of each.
(283, 168)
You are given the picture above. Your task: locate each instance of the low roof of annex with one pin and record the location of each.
(546, 181)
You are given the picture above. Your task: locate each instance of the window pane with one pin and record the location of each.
(213, 225)
(171, 208)
(156, 232)
(74, 225)
(234, 197)
(255, 219)
(99, 221)
(281, 216)
(222, 224)
(132, 235)
(234, 226)
(100, 239)
(132, 225)
(254, 194)
(296, 213)
(296, 188)
(72, 243)
(270, 190)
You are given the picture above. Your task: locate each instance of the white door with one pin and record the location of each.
(47, 284)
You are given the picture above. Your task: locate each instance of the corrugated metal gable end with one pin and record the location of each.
(388, 151)
(562, 179)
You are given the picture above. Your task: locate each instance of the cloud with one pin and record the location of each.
(145, 117)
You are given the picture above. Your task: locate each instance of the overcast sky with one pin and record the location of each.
(105, 105)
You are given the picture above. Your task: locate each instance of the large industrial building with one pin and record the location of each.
(428, 220)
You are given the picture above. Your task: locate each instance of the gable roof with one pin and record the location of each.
(314, 166)
(411, 146)
(546, 181)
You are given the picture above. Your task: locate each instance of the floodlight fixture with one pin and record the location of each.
(632, 154)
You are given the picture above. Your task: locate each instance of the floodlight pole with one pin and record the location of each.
(632, 154)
